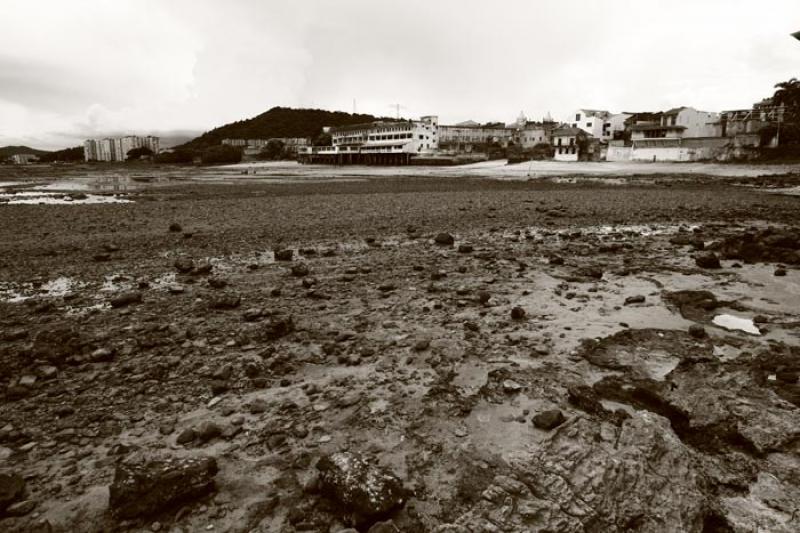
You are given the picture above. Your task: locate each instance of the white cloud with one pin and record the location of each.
(84, 67)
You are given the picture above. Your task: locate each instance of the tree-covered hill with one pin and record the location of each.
(280, 122)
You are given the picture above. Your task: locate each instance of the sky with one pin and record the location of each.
(71, 70)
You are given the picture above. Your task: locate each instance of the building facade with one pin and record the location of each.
(117, 148)
(568, 143)
(591, 121)
(467, 136)
(377, 142)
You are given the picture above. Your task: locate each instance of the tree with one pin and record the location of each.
(176, 157)
(138, 153)
(787, 94)
(222, 154)
(273, 151)
(323, 139)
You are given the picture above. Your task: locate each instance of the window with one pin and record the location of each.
(578, 117)
(588, 124)
(571, 141)
(420, 137)
(574, 125)
(559, 142)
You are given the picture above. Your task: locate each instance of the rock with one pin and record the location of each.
(175, 227)
(217, 283)
(186, 436)
(384, 527)
(253, 314)
(12, 487)
(207, 431)
(202, 268)
(226, 301)
(637, 299)
(483, 297)
(300, 270)
(422, 345)
(444, 239)
(184, 265)
(465, 248)
(517, 313)
(697, 331)
(277, 327)
(707, 260)
(125, 299)
(144, 490)
(509, 385)
(780, 272)
(21, 508)
(284, 255)
(367, 491)
(548, 420)
(47, 371)
(102, 257)
(571, 482)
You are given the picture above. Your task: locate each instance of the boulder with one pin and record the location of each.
(125, 299)
(145, 489)
(12, 487)
(444, 239)
(368, 492)
(707, 260)
(548, 420)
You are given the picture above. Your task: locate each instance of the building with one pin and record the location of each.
(470, 136)
(117, 148)
(569, 143)
(379, 142)
(24, 159)
(591, 121)
(531, 134)
(696, 123)
(614, 126)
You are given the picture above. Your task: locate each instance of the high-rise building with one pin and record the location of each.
(116, 149)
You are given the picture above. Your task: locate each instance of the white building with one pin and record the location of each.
(591, 121)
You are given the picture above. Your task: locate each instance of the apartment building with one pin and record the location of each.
(117, 148)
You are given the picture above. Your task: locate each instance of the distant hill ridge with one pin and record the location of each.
(8, 151)
(280, 122)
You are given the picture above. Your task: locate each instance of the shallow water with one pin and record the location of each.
(731, 322)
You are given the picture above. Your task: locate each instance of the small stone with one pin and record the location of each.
(548, 420)
(637, 299)
(21, 508)
(283, 255)
(780, 272)
(125, 299)
(184, 265)
(186, 436)
(707, 260)
(175, 227)
(300, 270)
(465, 248)
(697, 331)
(510, 385)
(27, 380)
(226, 301)
(483, 297)
(422, 345)
(444, 239)
(207, 431)
(517, 313)
(12, 487)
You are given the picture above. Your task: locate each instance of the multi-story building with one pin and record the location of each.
(467, 136)
(377, 142)
(116, 149)
(591, 121)
(532, 134)
(568, 143)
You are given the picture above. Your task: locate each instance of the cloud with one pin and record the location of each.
(74, 69)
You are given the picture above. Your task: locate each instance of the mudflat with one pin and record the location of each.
(412, 353)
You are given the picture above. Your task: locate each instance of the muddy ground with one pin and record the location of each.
(568, 362)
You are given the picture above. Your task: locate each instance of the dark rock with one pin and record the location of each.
(697, 331)
(277, 327)
(444, 239)
(186, 436)
(369, 492)
(517, 313)
(102, 257)
(300, 270)
(207, 431)
(125, 299)
(638, 299)
(780, 272)
(384, 527)
(184, 265)
(202, 269)
(465, 248)
(556, 260)
(707, 260)
(144, 490)
(483, 297)
(12, 487)
(57, 343)
(284, 255)
(548, 420)
(226, 301)
(175, 227)
(217, 283)
(21, 508)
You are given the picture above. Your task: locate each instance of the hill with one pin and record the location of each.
(8, 151)
(280, 122)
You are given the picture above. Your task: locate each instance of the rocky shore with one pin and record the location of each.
(417, 354)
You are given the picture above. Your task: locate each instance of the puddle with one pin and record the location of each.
(731, 322)
(626, 230)
(470, 377)
(55, 288)
(52, 198)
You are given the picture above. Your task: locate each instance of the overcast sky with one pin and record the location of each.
(71, 69)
